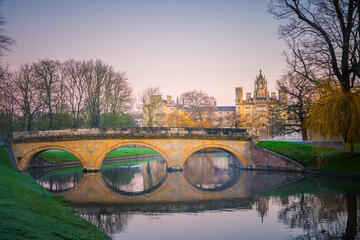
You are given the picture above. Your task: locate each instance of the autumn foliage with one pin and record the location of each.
(182, 119)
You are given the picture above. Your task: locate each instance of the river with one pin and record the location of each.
(210, 199)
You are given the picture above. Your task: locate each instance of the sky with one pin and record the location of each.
(209, 45)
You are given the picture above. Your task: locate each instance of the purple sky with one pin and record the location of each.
(208, 45)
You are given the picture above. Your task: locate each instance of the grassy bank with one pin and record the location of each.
(54, 155)
(317, 157)
(28, 211)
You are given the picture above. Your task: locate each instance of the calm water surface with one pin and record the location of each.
(210, 199)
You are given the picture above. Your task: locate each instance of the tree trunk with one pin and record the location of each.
(304, 132)
(351, 223)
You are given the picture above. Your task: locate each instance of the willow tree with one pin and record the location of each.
(328, 34)
(335, 113)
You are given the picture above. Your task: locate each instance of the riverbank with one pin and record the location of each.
(28, 211)
(318, 159)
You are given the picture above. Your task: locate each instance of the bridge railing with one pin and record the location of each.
(136, 133)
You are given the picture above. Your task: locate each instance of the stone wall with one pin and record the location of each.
(265, 159)
(135, 133)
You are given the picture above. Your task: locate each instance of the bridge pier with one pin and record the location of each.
(91, 169)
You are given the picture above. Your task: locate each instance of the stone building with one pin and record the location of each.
(251, 112)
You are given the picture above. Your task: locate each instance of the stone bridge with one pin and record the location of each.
(91, 145)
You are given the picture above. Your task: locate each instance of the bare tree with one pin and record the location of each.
(96, 76)
(199, 104)
(328, 33)
(5, 41)
(149, 103)
(74, 77)
(119, 98)
(47, 72)
(27, 94)
(291, 117)
(7, 103)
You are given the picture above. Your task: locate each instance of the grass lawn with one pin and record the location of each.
(317, 157)
(28, 211)
(54, 155)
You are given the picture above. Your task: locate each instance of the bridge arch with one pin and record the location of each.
(221, 146)
(127, 143)
(26, 159)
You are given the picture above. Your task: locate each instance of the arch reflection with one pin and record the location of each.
(61, 180)
(135, 178)
(211, 170)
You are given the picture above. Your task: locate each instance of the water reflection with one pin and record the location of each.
(136, 178)
(60, 180)
(211, 199)
(321, 216)
(210, 171)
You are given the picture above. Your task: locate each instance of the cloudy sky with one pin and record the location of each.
(208, 45)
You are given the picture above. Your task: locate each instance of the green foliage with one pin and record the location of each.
(28, 211)
(117, 120)
(316, 157)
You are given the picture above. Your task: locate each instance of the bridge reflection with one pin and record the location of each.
(206, 177)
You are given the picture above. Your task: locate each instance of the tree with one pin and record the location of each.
(6, 101)
(149, 103)
(27, 94)
(330, 101)
(7, 104)
(119, 98)
(291, 117)
(327, 33)
(5, 41)
(74, 79)
(178, 118)
(200, 105)
(47, 74)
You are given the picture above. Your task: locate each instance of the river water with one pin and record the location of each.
(210, 199)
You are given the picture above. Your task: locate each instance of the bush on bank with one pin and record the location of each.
(28, 211)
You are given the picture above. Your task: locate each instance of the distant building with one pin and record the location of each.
(252, 112)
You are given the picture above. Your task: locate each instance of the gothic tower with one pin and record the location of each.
(260, 88)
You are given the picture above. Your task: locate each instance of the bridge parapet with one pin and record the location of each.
(242, 134)
(91, 145)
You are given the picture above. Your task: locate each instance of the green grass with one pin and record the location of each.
(317, 157)
(28, 211)
(55, 155)
(130, 151)
(356, 145)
